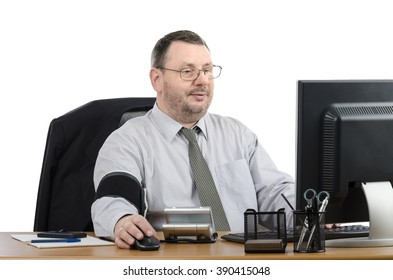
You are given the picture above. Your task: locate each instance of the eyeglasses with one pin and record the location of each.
(191, 74)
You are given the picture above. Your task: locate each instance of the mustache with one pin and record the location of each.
(199, 89)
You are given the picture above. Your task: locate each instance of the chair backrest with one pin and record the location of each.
(66, 189)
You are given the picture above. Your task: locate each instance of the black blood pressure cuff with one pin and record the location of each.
(121, 184)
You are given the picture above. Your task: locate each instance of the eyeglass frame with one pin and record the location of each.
(199, 72)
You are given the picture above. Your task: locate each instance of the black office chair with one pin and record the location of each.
(66, 190)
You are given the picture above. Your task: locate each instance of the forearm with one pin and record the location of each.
(106, 211)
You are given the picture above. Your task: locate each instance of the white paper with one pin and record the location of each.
(86, 241)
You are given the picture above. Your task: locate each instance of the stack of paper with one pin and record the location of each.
(86, 241)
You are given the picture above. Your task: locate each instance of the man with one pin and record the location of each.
(154, 151)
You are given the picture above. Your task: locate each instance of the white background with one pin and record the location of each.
(58, 55)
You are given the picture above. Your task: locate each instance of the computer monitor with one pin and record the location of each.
(345, 147)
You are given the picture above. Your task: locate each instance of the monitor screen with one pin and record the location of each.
(344, 146)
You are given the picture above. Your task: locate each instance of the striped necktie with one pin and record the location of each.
(204, 182)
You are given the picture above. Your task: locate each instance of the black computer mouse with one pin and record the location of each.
(147, 244)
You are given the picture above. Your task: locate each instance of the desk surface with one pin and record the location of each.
(220, 250)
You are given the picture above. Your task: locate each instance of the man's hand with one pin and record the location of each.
(132, 227)
(329, 226)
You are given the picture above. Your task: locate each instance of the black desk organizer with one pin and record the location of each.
(265, 232)
(309, 233)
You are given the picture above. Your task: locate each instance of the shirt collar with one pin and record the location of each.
(169, 127)
(201, 124)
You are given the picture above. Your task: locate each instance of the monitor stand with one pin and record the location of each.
(379, 196)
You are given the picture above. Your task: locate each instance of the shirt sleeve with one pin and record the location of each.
(106, 211)
(270, 182)
(114, 156)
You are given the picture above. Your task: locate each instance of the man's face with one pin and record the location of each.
(185, 101)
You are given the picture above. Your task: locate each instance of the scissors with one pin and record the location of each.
(314, 201)
(311, 196)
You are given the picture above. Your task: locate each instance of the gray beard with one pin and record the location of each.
(188, 115)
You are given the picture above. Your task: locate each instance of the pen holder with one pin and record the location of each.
(265, 232)
(308, 234)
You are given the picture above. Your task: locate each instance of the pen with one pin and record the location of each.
(287, 201)
(321, 209)
(62, 240)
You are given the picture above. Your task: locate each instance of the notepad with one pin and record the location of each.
(86, 241)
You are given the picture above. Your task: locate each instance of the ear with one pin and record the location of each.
(156, 79)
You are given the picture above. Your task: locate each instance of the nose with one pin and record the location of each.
(202, 78)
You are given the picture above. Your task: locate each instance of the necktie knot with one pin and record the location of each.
(189, 134)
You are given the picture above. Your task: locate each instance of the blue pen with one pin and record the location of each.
(62, 240)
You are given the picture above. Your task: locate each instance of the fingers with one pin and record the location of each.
(132, 227)
(328, 226)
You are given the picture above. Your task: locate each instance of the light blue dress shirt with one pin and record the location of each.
(152, 149)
